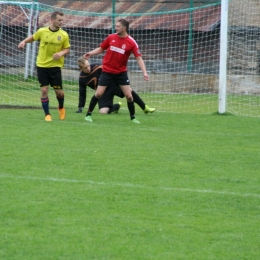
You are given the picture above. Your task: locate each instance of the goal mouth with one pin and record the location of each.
(180, 45)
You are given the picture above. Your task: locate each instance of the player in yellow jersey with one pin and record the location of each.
(54, 45)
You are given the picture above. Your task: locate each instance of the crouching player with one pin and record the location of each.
(89, 76)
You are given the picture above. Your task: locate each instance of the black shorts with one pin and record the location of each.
(107, 98)
(50, 76)
(108, 79)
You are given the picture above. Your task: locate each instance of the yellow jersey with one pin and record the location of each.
(50, 42)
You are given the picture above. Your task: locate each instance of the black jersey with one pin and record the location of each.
(91, 79)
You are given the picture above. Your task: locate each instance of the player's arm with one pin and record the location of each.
(59, 54)
(94, 52)
(82, 92)
(82, 83)
(91, 81)
(65, 49)
(141, 64)
(22, 44)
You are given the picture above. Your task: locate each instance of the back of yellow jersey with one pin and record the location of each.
(51, 42)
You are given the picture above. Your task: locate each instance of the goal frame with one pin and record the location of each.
(222, 105)
(30, 49)
(31, 13)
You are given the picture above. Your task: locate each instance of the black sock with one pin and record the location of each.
(131, 108)
(92, 105)
(138, 100)
(114, 108)
(61, 101)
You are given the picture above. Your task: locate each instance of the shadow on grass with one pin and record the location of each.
(223, 114)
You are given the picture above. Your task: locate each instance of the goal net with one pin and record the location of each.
(243, 64)
(180, 45)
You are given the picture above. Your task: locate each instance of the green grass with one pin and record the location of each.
(177, 186)
(17, 91)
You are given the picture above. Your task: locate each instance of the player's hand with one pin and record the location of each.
(86, 55)
(146, 77)
(21, 45)
(56, 56)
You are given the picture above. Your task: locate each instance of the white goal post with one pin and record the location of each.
(201, 56)
(223, 57)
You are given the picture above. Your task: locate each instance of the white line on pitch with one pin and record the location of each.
(51, 179)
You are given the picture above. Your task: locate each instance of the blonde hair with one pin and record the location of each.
(82, 61)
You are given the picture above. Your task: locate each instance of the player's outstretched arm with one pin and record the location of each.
(22, 44)
(92, 53)
(141, 64)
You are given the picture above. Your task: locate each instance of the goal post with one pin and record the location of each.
(223, 57)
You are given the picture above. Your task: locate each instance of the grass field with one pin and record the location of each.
(177, 186)
(17, 91)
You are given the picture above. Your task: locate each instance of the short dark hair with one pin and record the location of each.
(125, 23)
(54, 14)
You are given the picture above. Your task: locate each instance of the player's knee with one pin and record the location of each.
(99, 92)
(98, 96)
(103, 110)
(44, 91)
(60, 94)
(129, 98)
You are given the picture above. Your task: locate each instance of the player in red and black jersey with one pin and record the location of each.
(118, 48)
(89, 76)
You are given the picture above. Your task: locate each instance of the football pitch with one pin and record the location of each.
(176, 186)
